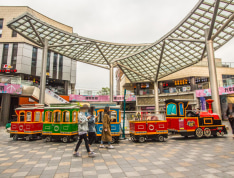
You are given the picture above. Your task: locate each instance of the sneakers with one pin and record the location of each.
(110, 147)
(101, 146)
(76, 154)
(91, 154)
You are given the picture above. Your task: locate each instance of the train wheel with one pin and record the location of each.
(15, 137)
(207, 132)
(113, 140)
(222, 133)
(65, 139)
(141, 139)
(199, 133)
(48, 139)
(160, 138)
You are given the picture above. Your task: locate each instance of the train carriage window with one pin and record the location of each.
(113, 116)
(57, 116)
(181, 109)
(100, 116)
(37, 116)
(171, 109)
(66, 116)
(74, 116)
(29, 116)
(21, 117)
(42, 116)
(48, 116)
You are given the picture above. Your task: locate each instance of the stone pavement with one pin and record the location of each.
(177, 157)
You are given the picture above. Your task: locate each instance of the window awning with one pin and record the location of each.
(182, 47)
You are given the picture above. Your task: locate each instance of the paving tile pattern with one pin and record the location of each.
(177, 157)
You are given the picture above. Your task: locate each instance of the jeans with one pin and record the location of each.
(108, 142)
(83, 136)
(92, 137)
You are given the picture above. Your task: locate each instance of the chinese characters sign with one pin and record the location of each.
(222, 91)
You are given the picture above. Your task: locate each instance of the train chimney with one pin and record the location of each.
(210, 101)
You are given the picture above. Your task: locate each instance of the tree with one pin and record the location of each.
(104, 91)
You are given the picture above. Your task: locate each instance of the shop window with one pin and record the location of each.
(21, 116)
(55, 65)
(48, 116)
(37, 116)
(57, 116)
(60, 67)
(1, 26)
(171, 109)
(5, 54)
(181, 109)
(74, 116)
(66, 116)
(14, 33)
(48, 62)
(29, 116)
(14, 55)
(34, 61)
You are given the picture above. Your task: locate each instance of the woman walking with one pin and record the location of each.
(92, 129)
(106, 130)
(231, 120)
(82, 129)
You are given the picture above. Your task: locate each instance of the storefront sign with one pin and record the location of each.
(181, 82)
(10, 88)
(222, 91)
(8, 69)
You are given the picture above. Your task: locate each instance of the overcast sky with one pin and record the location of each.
(123, 21)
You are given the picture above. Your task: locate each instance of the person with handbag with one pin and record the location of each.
(106, 130)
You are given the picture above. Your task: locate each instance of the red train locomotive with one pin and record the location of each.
(155, 129)
(190, 123)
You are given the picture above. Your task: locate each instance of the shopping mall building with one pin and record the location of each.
(182, 85)
(21, 60)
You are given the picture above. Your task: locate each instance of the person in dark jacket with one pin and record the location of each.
(92, 129)
(231, 120)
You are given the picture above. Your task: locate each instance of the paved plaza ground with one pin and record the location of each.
(177, 157)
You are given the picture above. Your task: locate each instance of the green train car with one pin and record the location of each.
(60, 122)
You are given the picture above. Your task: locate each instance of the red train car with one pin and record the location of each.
(191, 123)
(155, 129)
(29, 122)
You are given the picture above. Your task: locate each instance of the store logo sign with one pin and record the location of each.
(8, 69)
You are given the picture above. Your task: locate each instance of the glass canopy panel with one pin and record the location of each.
(142, 61)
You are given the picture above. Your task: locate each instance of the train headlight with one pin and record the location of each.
(220, 128)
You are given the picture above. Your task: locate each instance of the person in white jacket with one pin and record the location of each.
(83, 129)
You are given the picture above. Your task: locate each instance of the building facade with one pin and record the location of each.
(181, 85)
(21, 61)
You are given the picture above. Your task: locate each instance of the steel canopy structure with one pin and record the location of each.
(205, 29)
(183, 46)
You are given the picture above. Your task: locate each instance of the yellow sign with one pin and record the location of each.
(181, 82)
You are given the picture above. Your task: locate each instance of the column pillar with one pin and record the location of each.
(138, 87)
(161, 87)
(192, 83)
(43, 73)
(156, 97)
(5, 108)
(111, 83)
(212, 74)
